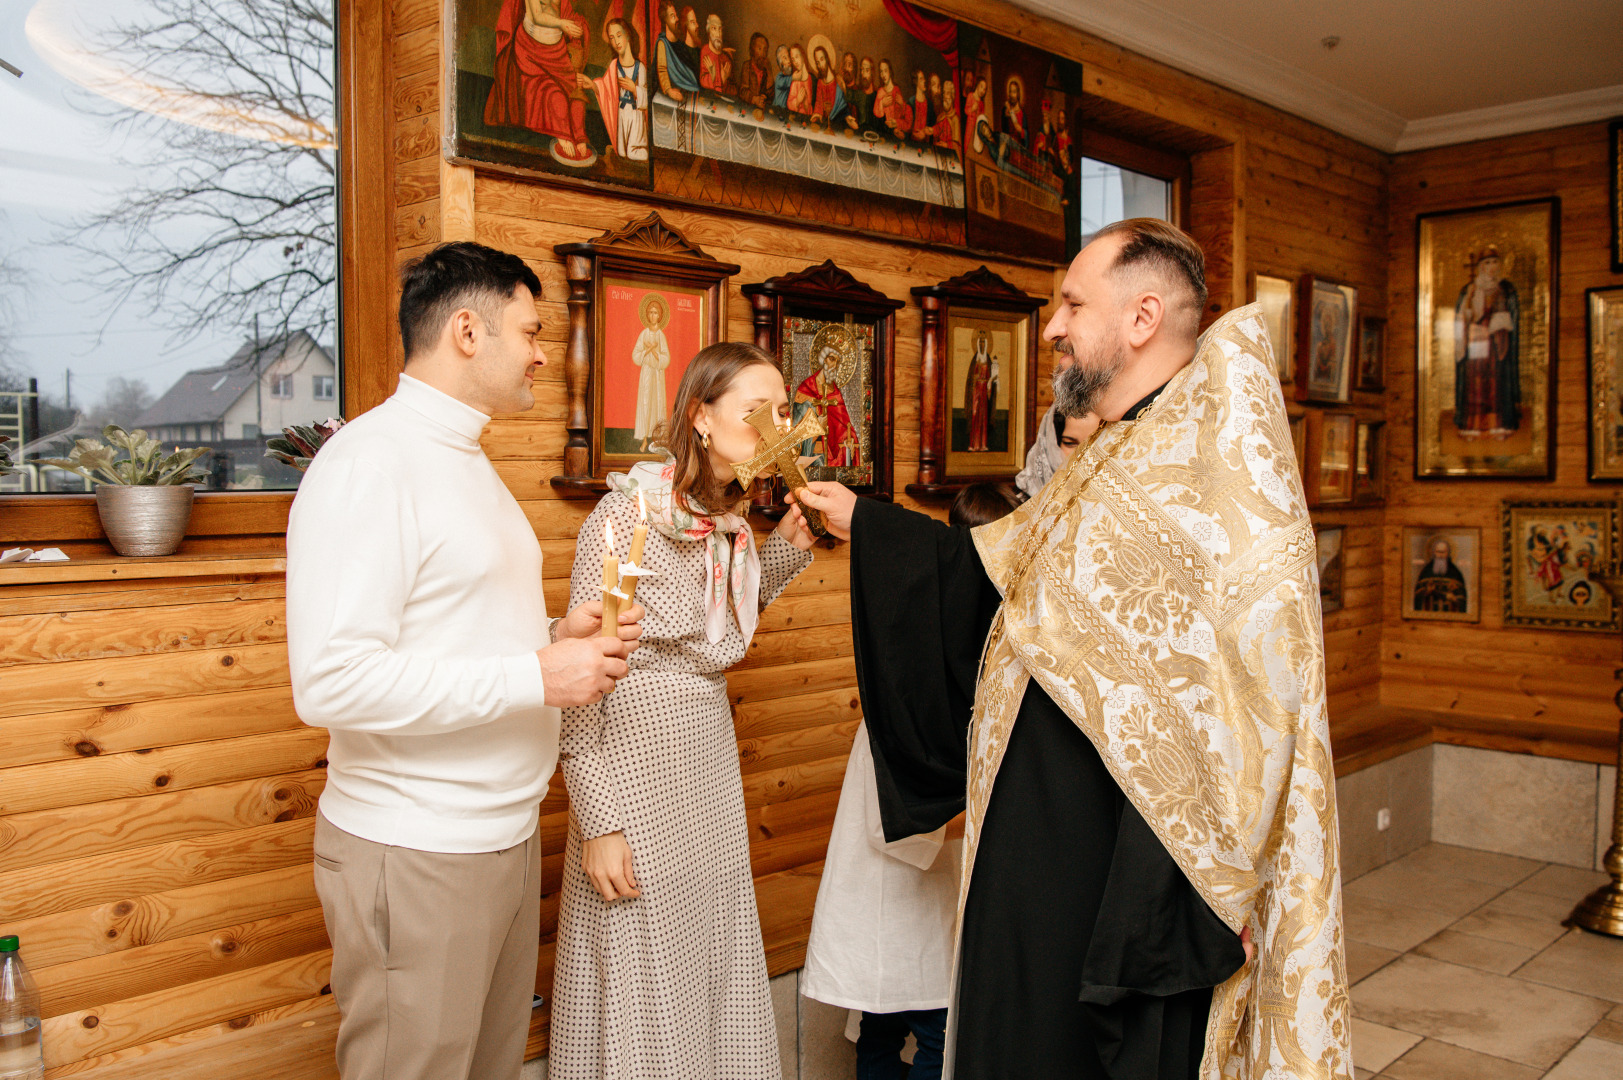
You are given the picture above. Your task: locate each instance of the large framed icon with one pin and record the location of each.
(835, 339)
(1486, 319)
(977, 381)
(643, 300)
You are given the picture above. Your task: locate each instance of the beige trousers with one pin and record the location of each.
(434, 956)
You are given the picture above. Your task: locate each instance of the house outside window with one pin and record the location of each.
(323, 387)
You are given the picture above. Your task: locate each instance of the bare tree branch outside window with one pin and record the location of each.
(235, 217)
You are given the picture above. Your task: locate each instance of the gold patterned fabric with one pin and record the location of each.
(1163, 590)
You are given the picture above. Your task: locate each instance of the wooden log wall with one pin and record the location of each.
(1554, 679)
(158, 792)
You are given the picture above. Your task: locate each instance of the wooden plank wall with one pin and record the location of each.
(1555, 678)
(156, 804)
(156, 808)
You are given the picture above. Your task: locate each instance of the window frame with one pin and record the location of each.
(225, 520)
(1168, 165)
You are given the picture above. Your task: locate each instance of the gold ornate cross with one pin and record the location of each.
(780, 450)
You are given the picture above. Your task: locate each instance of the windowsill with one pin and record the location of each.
(44, 520)
(118, 568)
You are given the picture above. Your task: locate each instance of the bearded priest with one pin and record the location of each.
(1126, 677)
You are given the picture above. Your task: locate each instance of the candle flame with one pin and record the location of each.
(608, 536)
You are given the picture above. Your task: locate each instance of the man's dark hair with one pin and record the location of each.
(982, 504)
(1158, 249)
(455, 276)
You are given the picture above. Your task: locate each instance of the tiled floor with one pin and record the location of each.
(1461, 970)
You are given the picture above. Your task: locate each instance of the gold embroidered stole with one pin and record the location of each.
(1163, 590)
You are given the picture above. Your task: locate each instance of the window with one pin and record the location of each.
(1122, 179)
(168, 227)
(323, 390)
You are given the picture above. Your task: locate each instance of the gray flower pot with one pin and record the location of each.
(144, 519)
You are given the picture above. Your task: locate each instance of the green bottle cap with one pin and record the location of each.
(8, 943)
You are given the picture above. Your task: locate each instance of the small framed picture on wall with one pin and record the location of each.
(1369, 462)
(1332, 566)
(1442, 574)
(1371, 354)
(1554, 556)
(1326, 333)
(1605, 326)
(1331, 446)
(1278, 299)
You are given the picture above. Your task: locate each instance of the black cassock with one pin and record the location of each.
(1085, 952)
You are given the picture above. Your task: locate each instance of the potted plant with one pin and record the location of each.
(5, 455)
(298, 444)
(144, 498)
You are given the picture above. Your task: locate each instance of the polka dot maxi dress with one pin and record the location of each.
(671, 985)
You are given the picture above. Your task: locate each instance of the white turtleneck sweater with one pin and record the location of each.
(414, 611)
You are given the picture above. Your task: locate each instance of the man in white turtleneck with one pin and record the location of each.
(418, 635)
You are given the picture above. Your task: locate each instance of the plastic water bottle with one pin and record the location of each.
(22, 1053)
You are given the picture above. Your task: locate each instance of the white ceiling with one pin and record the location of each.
(1406, 73)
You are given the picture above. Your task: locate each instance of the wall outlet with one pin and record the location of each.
(1383, 819)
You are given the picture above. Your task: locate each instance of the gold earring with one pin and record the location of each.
(704, 439)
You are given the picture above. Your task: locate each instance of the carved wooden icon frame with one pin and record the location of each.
(617, 282)
(959, 314)
(824, 310)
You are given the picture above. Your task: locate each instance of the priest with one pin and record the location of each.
(1132, 668)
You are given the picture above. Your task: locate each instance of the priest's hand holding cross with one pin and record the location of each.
(831, 502)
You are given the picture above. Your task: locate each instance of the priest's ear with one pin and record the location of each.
(1145, 315)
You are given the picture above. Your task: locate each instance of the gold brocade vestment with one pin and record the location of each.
(1163, 590)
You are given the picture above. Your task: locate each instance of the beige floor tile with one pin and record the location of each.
(825, 1052)
(1488, 867)
(1364, 959)
(1592, 1059)
(1398, 883)
(1375, 1047)
(1582, 962)
(1486, 954)
(1568, 882)
(1389, 925)
(1475, 1009)
(1362, 1074)
(1433, 1060)
(1532, 934)
(1531, 904)
(1610, 1030)
(1616, 1014)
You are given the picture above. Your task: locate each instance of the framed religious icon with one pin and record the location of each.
(642, 301)
(1278, 299)
(1442, 574)
(1614, 169)
(835, 338)
(1369, 462)
(1371, 354)
(1554, 556)
(1331, 446)
(1331, 540)
(1326, 329)
(1484, 371)
(558, 88)
(1605, 326)
(977, 379)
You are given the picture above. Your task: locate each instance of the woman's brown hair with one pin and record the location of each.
(709, 375)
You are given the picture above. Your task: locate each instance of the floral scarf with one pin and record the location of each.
(732, 564)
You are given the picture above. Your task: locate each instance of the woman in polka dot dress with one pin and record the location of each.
(660, 970)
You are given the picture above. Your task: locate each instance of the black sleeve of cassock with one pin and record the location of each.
(921, 607)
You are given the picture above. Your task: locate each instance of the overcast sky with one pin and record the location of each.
(58, 160)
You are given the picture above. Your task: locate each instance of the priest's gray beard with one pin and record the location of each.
(1078, 387)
